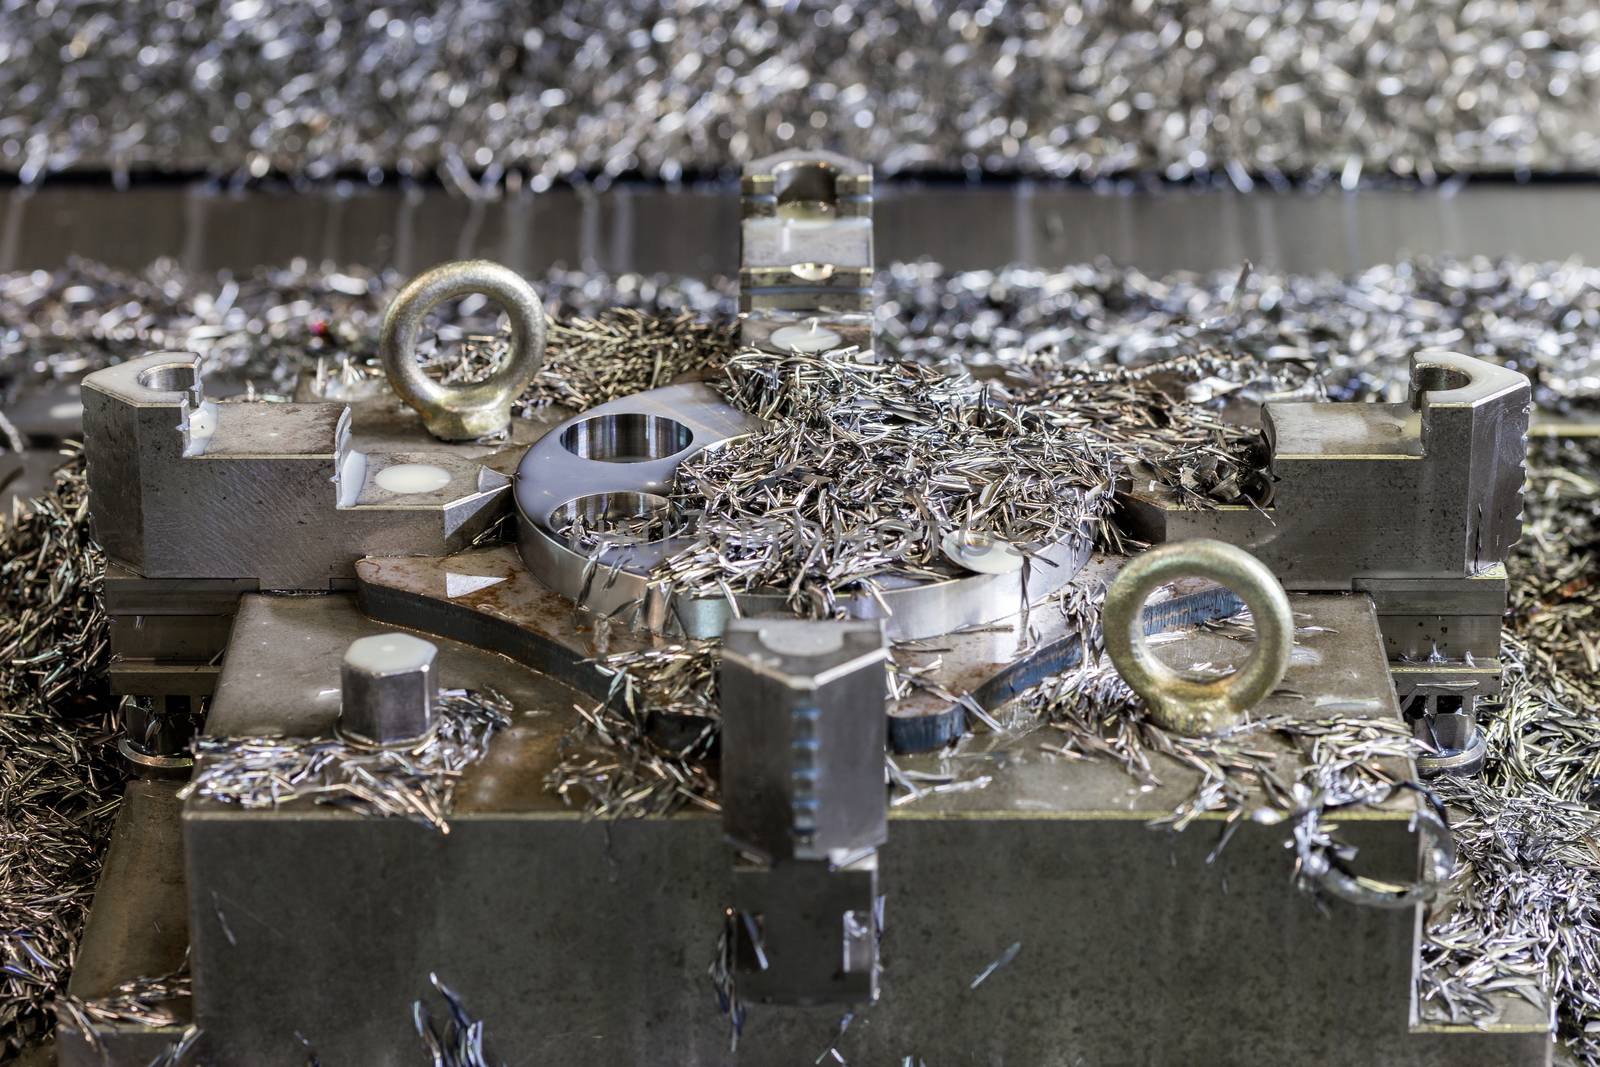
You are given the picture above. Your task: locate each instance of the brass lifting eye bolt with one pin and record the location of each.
(463, 412)
(1181, 704)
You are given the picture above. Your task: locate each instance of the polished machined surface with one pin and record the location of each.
(630, 437)
(463, 412)
(1184, 704)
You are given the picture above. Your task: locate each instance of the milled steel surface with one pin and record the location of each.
(804, 805)
(1428, 488)
(185, 487)
(130, 987)
(1087, 842)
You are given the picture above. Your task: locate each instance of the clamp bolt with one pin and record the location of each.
(389, 686)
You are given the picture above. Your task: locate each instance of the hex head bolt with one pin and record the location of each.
(389, 685)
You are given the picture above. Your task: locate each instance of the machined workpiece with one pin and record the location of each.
(185, 487)
(776, 330)
(1429, 619)
(614, 465)
(488, 598)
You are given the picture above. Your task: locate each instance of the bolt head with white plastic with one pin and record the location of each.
(389, 686)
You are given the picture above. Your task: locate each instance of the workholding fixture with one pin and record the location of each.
(866, 812)
(1416, 504)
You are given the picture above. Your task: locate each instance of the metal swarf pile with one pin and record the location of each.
(620, 351)
(1313, 768)
(863, 469)
(416, 781)
(60, 776)
(261, 330)
(646, 748)
(142, 1001)
(474, 88)
(1163, 421)
(1526, 913)
(1358, 331)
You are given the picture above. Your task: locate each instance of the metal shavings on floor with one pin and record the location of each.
(459, 1041)
(493, 92)
(1525, 913)
(415, 781)
(1357, 331)
(265, 328)
(60, 778)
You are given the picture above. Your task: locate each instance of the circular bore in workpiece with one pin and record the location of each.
(626, 437)
(619, 517)
(404, 479)
(172, 377)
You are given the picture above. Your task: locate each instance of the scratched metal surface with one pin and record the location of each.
(1109, 913)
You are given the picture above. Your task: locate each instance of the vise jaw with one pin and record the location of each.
(185, 487)
(1416, 504)
(805, 803)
